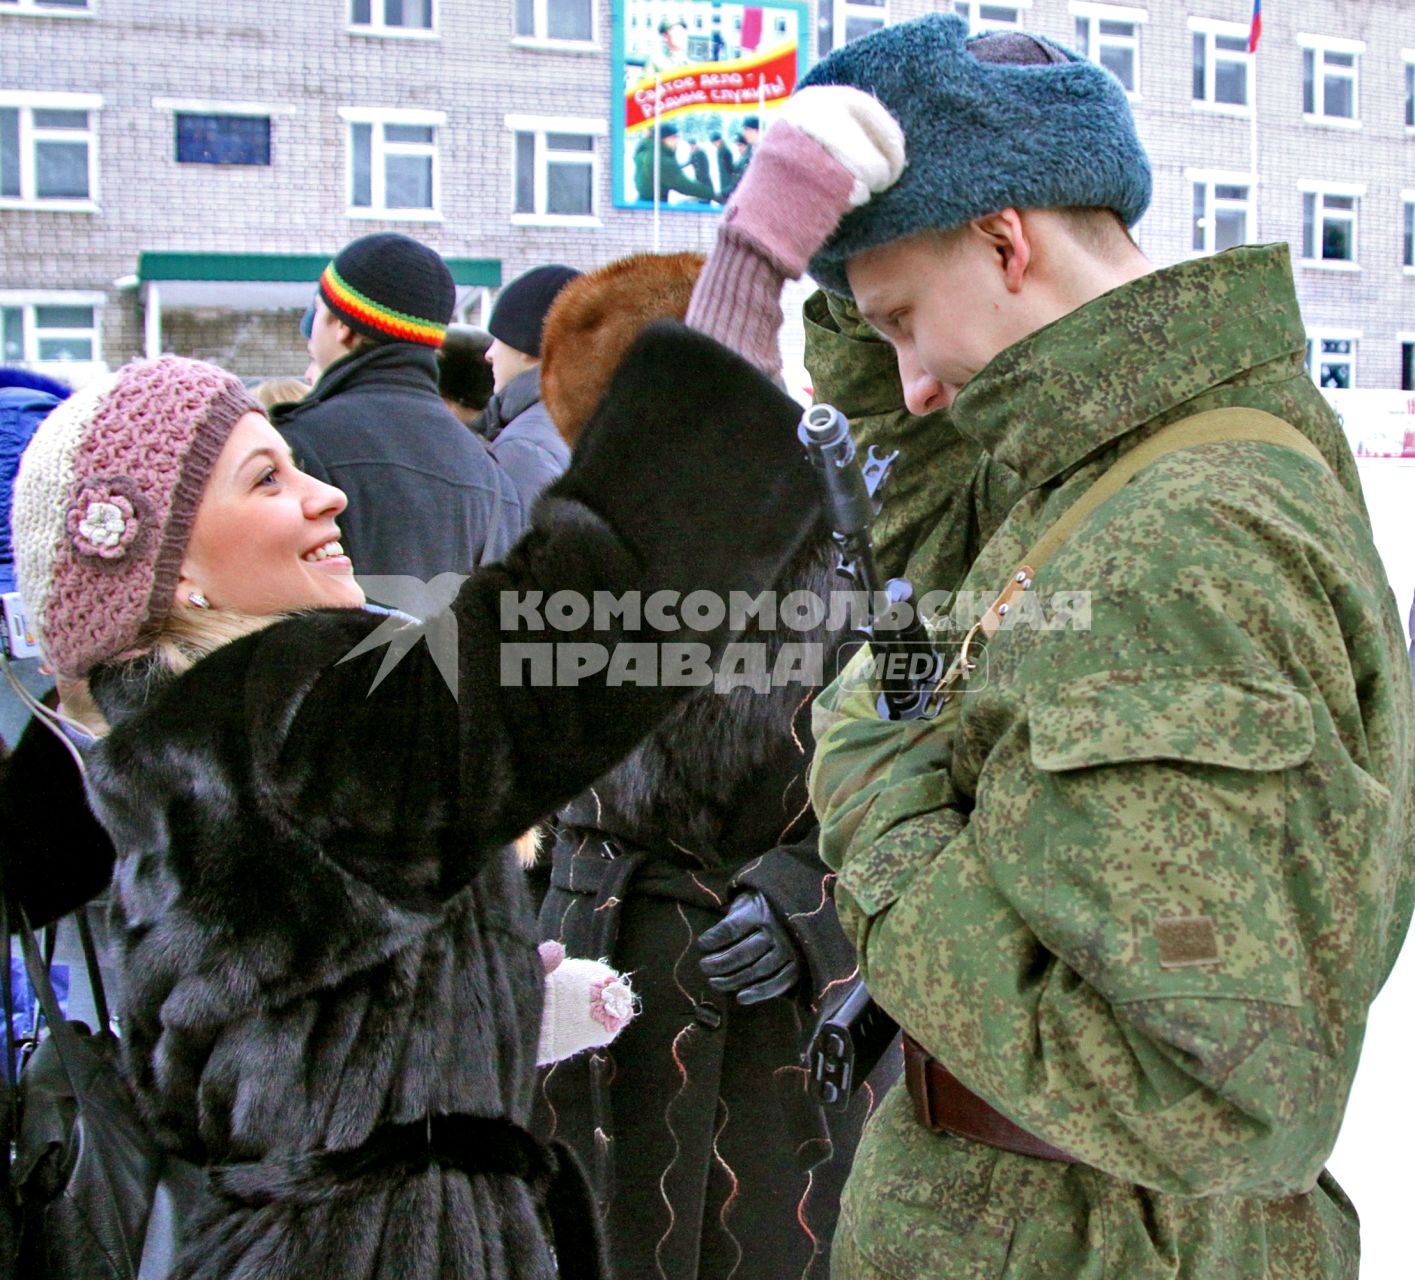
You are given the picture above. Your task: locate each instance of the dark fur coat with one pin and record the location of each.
(708, 1153)
(323, 930)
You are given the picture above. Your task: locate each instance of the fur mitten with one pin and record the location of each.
(587, 1004)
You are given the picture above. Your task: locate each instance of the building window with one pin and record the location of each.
(393, 17)
(1221, 65)
(1110, 35)
(556, 169)
(1331, 359)
(842, 21)
(567, 20)
(1222, 211)
(1329, 224)
(982, 16)
(1410, 90)
(1329, 79)
(215, 139)
(48, 149)
(1407, 366)
(57, 330)
(1408, 242)
(44, 6)
(393, 162)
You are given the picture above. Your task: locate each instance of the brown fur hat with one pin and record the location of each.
(594, 322)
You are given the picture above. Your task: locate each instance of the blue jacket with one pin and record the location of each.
(25, 401)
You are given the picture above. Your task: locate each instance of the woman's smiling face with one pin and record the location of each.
(264, 540)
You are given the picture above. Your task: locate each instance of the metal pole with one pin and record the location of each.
(152, 321)
(1253, 144)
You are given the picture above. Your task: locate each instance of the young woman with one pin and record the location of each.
(331, 992)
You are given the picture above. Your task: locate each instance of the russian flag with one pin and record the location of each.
(1256, 29)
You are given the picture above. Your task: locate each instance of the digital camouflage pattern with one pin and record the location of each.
(1140, 885)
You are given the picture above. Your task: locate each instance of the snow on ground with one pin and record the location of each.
(1371, 1160)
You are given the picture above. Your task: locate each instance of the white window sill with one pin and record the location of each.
(1221, 108)
(554, 220)
(49, 206)
(394, 215)
(547, 45)
(1410, 271)
(48, 13)
(395, 33)
(1330, 122)
(1329, 264)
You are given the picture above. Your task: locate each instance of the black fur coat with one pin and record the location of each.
(709, 1155)
(324, 934)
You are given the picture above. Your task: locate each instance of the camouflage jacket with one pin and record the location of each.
(1140, 884)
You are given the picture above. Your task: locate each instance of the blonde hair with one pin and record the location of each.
(275, 391)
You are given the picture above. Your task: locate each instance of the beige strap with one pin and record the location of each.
(1212, 427)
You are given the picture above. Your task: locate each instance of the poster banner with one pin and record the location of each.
(694, 84)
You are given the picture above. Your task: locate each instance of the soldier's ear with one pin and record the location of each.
(1006, 234)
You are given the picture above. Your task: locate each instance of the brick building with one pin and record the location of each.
(173, 175)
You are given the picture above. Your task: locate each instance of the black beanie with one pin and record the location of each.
(519, 314)
(390, 287)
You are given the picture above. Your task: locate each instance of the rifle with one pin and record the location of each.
(852, 1036)
(906, 664)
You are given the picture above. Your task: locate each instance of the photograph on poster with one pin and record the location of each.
(696, 82)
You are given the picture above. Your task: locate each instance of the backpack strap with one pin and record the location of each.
(1214, 426)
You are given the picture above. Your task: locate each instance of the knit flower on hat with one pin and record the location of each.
(612, 1003)
(105, 518)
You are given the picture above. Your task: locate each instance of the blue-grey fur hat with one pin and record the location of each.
(980, 136)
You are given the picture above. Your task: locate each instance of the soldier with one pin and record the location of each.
(1132, 894)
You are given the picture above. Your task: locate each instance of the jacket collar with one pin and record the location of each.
(510, 402)
(1129, 356)
(400, 363)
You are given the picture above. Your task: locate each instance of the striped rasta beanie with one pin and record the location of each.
(392, 288)
(104, 503)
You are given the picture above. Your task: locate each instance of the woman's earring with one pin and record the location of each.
(198, 601)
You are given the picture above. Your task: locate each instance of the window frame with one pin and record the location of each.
(28, 300)
(214, 107)
(1318, 47)
(376, 28)
(1211, 29)
(1406, 342)
(1095, 13)
(380, 148)
(1407, 230)
(26, 103)
(1407, 63)
(1211, 179)
(1353, 191)
(1315, 338)
(593, 127)
(976, 27)
(841, 11)
(541, 25)
(35, 9)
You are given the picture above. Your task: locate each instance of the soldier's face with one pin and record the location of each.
(943, 303)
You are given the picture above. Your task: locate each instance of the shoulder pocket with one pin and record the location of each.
(1198, 716)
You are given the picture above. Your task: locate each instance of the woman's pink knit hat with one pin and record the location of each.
(104, 503)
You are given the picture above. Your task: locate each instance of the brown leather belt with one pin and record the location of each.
(944, 1105)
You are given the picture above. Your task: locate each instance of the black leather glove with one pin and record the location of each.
(749, 952)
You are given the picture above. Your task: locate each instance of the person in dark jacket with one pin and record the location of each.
(518, 431)
(332, 992)
(671, 175)
(425, 497)
(693, 864)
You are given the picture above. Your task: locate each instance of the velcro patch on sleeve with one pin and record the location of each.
(1186, 940)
